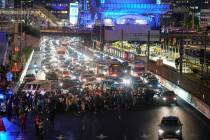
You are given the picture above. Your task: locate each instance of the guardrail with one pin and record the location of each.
(20, 81)
(186, 96)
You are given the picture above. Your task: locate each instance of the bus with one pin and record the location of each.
(137, 68)
(115, 69)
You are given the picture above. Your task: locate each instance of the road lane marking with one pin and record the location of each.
(119, 117)
(144, 136)
(101, 137)
(60, 137)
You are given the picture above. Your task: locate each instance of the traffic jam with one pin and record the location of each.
(85, 80)
(66, 67)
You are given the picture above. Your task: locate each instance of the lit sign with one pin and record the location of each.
(102, 1)
(108, 22)
(158, 1)
(141, 22)
(73, 13)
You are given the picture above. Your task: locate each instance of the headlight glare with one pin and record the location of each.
(178, 131)
(160, 131)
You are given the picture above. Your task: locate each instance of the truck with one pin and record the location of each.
(138, 68)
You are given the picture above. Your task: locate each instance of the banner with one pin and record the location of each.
(73, 13)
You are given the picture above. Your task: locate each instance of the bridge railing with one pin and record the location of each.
(47, 13)
(65, 30)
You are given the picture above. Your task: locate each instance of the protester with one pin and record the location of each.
(23, 119)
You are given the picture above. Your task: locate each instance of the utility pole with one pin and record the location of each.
(122, 37)
(148, 48)
(205, 44)
(181, 55)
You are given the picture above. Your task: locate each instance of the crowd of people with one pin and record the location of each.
(45, 107)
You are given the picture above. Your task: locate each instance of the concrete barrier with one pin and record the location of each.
(20, 81)
(186, 96)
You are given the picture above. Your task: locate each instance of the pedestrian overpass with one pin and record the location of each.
(65, 32)
(38, 11)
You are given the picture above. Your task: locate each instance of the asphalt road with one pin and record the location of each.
(138, 124)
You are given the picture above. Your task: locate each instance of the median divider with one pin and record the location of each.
(20, 81)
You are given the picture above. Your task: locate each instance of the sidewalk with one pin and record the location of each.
(12, 130)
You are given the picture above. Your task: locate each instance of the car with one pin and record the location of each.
(29, 77)
(47, 68)
(62, 58)
(90, 79)
(51, 76)
(170, 127)
(58, 71)
(154, 84)
(66, 74)
(85, 75)
(68, 83)
(169, 97)
(76, 74)
(145, 75)
(136, 81)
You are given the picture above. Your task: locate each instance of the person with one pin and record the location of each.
(52, 117)
(41, 127)
(23, 118)
(36, 121)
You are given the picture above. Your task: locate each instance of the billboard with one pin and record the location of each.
(73, 13)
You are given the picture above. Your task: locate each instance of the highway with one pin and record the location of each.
(139, 123)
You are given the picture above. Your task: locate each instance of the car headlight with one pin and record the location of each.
(164, 98)
(174, 98)
(157, 90)
(73, 77)
(126, 81)
(178, 131)
(98, 79)
(160, 131)
(61, 84)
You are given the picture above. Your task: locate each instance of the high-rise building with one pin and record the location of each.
(2, 3)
